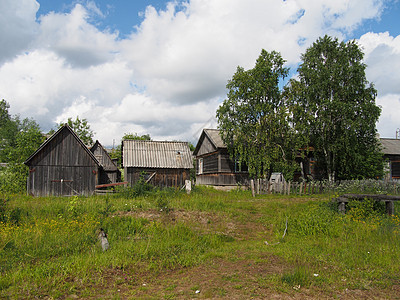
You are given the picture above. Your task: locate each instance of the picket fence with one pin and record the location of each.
(263, 186)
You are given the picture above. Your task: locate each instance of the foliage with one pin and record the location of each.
(140, 188)
(135, 136)
(254, 119)
(82, 129)
(18, 140)
(334, 110)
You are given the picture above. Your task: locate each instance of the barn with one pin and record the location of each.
(63, 166)
(109, 172)
(214, 166)
(160, 163)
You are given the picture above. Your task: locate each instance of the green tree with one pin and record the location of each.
(19, 139)
(8, 131)
(82, 128)
(335, 110)
(135, 136)
(254, 119)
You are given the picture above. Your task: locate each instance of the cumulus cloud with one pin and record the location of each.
(169, 75)
(72, 37)
(17, 26)
(186, 54)
(389, 120)
(382, 56)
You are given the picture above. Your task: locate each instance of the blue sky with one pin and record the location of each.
(160, 67)
(121, 15)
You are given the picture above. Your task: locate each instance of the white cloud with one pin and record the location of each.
(168, 77)
(17, 26)
(187, 54)
(72, 37)
(382, 56)
(389, 121)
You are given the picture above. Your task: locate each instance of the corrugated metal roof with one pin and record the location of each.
(153, 154)
(390, 146)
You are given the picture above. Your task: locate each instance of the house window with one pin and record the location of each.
(200, 170)
(396, 169)
(240, 166)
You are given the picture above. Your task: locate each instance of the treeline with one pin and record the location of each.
(18, 139)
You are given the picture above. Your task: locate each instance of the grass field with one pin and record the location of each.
(209, 244)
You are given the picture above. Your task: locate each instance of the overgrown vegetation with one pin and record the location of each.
(18, 139)
(158, 239)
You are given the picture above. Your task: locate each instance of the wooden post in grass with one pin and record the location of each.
(389, 207)
(103, 240)
(252, 187)
(188, 186)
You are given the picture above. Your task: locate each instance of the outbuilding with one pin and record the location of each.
(214, 166)
(391, 152)
(160, 163)
(109, 172)
(63, 166)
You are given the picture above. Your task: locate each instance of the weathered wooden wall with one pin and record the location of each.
(62, 167)
(109, 172)
(222, 179)
(162, 178)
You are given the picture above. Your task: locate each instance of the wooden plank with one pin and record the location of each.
(371, 196)
(110, 184)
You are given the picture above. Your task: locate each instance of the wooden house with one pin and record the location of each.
(109, 172)
(213, 164)
(162, 164)
(62, 166)
(391, 152)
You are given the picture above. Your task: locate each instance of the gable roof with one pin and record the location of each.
(214, 137)
(107, 164)
(153, 154)
(390, 146)
(50, 139)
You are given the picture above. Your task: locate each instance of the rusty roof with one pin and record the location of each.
(390, 146)
(154, 154)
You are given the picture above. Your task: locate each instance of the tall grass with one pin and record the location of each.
(49, 246)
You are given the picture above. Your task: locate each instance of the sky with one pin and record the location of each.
(161, 67)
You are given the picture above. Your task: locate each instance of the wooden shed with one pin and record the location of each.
(162, 164)
(391, 152)
(62, 166)
(213, 164)
(109, 172)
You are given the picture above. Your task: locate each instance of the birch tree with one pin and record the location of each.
(253, 120)
(334, 107)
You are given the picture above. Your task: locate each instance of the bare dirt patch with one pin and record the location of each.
(220, 278)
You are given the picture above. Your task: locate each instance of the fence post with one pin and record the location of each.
(252, 187)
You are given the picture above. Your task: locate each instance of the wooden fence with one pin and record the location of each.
(263, 186)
